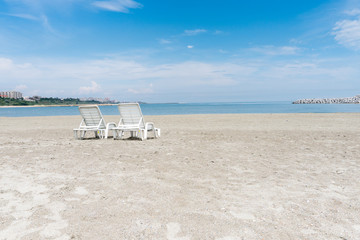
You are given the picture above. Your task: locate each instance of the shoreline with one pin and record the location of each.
(114, 117)
(218, 114)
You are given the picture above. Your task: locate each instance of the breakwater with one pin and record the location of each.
(348, 100)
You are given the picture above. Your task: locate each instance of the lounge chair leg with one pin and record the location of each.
(101, 134)
(77, 134)
(82, 134)
(106, 134)
(134, 133)
(118, 134)
(157, 132)
(143, 134)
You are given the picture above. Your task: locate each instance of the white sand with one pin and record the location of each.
(246, 176)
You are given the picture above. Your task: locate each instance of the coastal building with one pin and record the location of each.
(102, 100)
(11, 94)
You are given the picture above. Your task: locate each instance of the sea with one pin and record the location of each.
(189, 108)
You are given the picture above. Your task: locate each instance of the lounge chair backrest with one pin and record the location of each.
(92, 116)
(130, 114)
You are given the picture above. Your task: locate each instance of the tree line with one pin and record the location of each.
(45, 101)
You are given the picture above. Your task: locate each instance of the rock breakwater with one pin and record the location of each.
(348, 100)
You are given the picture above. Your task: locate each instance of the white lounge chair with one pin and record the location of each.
(92, 120)
(132, 120)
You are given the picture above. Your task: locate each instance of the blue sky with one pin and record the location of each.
(181, 51)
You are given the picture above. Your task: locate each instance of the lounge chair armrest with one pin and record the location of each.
(110, 125)
(149, 125)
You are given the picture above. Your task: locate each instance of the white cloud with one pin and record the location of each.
(22, 15)
(194, 32)
(190, 46)
(272, 50)
(115, 76)
(20, 87)
(40, 4)
(8, 66)
(129, 79)
(46, 24)
(164, 41)
(141, 89)
(347, 33)
(94, 88)
(5, 64)
(353, 12)
(295, 41)
(117, 5)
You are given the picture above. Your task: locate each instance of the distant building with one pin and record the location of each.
(11, 94)
(35, 98)
(101, 100)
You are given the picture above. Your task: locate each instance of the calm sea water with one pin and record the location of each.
(191, 108)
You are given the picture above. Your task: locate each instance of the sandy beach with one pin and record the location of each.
(234, 176)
